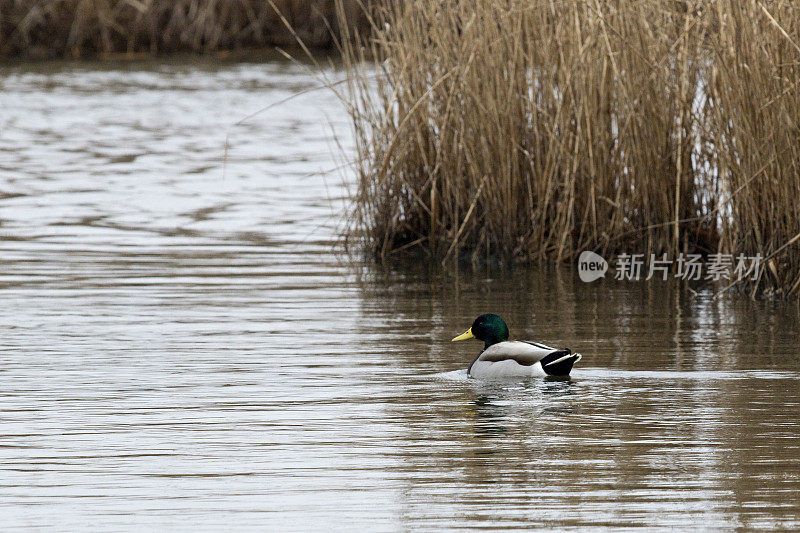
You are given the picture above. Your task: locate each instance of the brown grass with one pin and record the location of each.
(81, 28)
(535, 129)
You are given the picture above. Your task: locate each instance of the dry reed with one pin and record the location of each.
(534, 129)
(81, 28)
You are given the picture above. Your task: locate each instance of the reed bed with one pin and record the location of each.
(81, 28)
(532, 130)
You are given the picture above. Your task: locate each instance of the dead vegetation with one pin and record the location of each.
(86, 28)
(533, 130)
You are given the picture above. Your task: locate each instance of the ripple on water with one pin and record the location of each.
(182, 349)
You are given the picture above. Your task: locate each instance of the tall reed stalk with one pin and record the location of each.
(535, 129)
(753, 121)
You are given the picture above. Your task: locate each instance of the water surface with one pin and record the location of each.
(182, 348)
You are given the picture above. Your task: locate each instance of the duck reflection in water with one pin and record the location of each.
(495, 409)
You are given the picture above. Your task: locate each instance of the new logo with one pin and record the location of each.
(591, 266)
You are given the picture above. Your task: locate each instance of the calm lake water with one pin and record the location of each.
(184, 349)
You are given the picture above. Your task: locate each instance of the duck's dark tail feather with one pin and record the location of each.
(559, 363)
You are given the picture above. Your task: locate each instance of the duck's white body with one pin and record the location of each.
(514, 359)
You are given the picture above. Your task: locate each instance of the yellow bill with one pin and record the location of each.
(464, 336)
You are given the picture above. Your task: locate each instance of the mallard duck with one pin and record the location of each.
(502, 358)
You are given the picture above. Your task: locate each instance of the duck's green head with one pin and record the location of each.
(489, 328)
